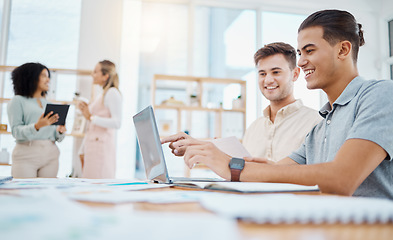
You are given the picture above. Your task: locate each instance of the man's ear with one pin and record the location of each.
(345, 49)
(296, 73)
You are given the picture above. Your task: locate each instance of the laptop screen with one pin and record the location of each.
(150, 145)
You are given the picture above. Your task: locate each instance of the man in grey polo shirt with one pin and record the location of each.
(358, 114)
(350, 152)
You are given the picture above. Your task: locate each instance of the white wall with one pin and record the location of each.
(128, 72)
(386, 13)
(367, 12)
(100, 32)
(386, 9)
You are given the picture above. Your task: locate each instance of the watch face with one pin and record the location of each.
(236, 163)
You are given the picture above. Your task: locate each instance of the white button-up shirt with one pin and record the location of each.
(277, 140)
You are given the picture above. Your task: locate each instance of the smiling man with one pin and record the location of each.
(350, 151)
(286, 121)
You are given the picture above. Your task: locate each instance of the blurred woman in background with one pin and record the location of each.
(35, 153)
(98, 151)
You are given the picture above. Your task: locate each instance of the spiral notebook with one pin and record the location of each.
(302, 209)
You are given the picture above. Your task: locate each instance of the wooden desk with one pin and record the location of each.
(270, 231)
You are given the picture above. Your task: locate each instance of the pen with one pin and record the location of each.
(131, 183)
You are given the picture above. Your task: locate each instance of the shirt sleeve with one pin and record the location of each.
(374, 116)
(113, 101)
(299, 155)
(19, 130)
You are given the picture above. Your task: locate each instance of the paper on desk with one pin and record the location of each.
(117, 197)
(249, 187)
(47, 214)
(173, 226)
(78, 184)
(290, 208)
(42, 215)
(231, 146)
(41, 183)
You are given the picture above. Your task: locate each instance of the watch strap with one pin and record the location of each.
(235, 175)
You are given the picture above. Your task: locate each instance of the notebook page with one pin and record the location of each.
(231, 146)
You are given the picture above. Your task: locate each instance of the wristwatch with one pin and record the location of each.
(236, 165)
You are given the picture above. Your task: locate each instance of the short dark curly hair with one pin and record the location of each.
(25, 78)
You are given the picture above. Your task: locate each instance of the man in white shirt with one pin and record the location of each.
(286, 121)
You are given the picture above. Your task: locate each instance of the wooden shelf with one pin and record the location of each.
(191, 108)
(75, 135)
(197, 79)
(5, 100)
(63, 102)
(5, 164)
(197, 86)
(67, 134)
(4, 68)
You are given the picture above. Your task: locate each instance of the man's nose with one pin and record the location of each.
(269, 78)
(302, 61)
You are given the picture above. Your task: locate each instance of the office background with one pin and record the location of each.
(215, 38)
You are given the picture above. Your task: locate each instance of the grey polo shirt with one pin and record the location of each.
(364, 110)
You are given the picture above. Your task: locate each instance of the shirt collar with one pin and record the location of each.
(346, 96)
(286, 110)
(325, 110)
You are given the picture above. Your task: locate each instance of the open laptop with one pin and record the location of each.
(152, 154)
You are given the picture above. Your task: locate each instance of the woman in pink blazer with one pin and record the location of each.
(104, 117)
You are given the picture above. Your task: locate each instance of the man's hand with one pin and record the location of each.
(196, 151)
(179, 150)
(207, 153)
(47, 120)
